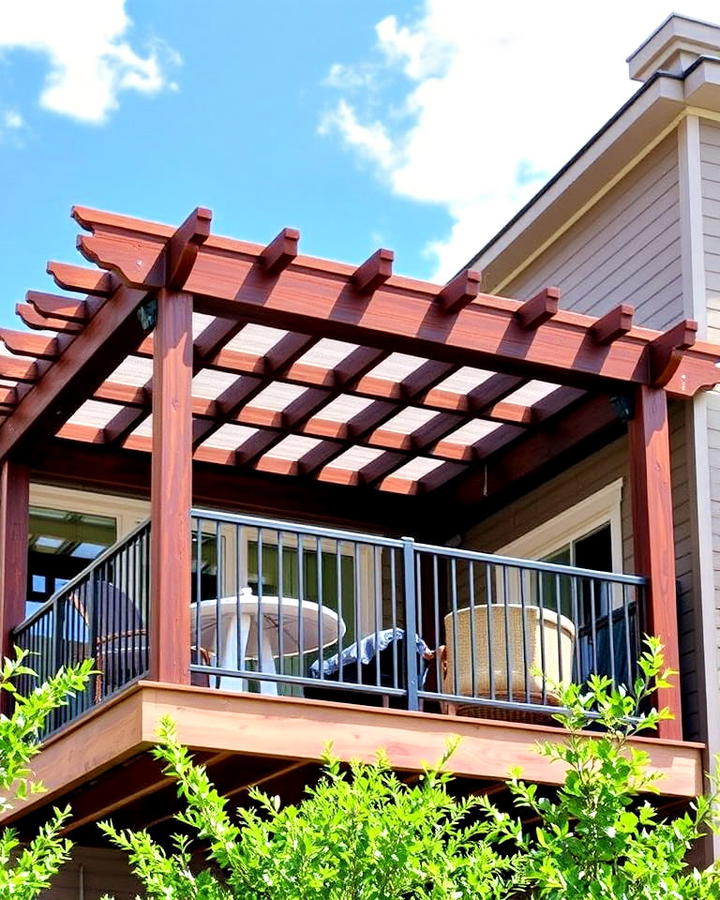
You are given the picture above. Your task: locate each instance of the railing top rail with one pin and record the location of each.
(536, 565)
(297, 528)
(81, 576)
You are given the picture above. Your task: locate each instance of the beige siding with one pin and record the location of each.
(555, 496)
(626, 249)
(710, 174)
(97, 872)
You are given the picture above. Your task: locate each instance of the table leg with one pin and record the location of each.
(267, 664)
(232, 642)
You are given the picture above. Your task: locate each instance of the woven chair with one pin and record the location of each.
(506, 652)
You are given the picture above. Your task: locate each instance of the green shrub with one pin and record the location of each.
(26, 870)
(363, 834)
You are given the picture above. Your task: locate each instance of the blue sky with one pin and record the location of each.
(364, 123)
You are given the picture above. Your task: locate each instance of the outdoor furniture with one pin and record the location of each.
(506, 652)
(248, 627)
(378, 659)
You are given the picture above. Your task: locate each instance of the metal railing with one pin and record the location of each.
(285, 608)
(101, 614)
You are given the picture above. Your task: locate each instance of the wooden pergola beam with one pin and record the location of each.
(84, 281)
(171, 489)
(614, 324)
(541, 308)
(459, 291)
(108, 338)
(321, 298)
(33, 319)
(653, 535)
(374, 272)
(280, 252)
(14, 499)
(68, 308)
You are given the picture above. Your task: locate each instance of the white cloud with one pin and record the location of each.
(90, 61)
(12, 120)
(497, 97)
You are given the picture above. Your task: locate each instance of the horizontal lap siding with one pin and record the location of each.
(626, 249)
(555, 496)
(710, 172)
(99, 871)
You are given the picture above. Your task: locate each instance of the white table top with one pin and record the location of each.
(319, 623)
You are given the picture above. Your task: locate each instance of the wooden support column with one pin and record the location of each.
(171, 489)
(14, 487)
(653, 537)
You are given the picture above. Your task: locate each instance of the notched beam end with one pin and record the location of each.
(613, 325)
(76, 278)
(536, 311)
(280, 252)
(374, 272)
(182, 248)
(34, 345)
(459, 291)
(666, 351)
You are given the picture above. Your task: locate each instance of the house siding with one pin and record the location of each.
(710, 178)
(99, 872)
(626, 249)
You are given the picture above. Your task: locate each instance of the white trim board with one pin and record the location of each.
(597, 509)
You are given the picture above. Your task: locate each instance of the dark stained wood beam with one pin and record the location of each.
(182, 248)
(171, 490)
(68, 308)
(447, 448)
(107, 339)
(280, 252)
(367, 476)
(509, 468)
(122, 471)
(85, 281)
(14, 499)
(374, 272)
(653, 535)
(24, 343)
(613, 325)
(445, 472)
(32, 319)
(320, 298)
(22, 370)
(666, 351)
(459, 291)
(539, 309)
(8, 396)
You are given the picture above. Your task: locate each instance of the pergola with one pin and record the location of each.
(257, 362)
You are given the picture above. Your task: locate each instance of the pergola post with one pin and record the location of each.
(653, 536)
(14, 498)
(171, 489)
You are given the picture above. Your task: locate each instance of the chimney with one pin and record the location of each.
(674, 47)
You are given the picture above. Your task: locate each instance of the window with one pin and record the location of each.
(585, 536)
(61, 544)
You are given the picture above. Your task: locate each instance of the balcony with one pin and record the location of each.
(202, 371)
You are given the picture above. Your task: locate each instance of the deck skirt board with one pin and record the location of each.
(284, 734)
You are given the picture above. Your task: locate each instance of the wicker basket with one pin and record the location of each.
(545, 643)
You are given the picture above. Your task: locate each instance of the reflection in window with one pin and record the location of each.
(61, 544)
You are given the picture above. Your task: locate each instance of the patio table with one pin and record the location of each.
(248, 627)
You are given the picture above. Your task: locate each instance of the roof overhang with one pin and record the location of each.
(653, 112)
